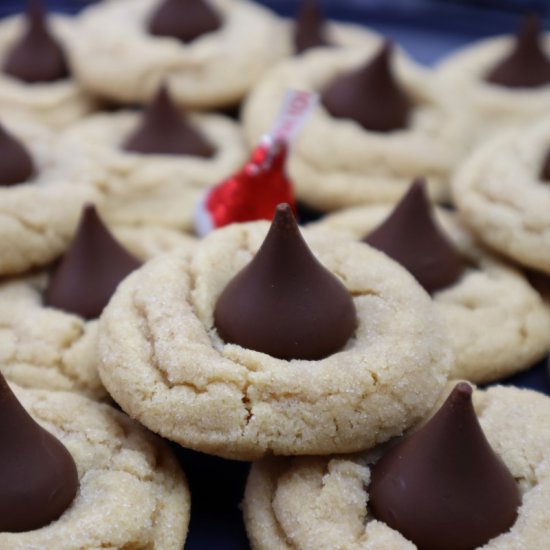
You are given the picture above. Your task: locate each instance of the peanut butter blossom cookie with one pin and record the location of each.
(500, 82)
(211, 51)
(152, 167)
(77, 474)
(497, 322)
(502, 193)
(39, 208)
(48, 320)
(263, 342)
(473, 476)
(310, 29)
(35, 77)
(380, 122)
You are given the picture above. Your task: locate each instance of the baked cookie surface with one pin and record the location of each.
(132, 491)
(323, 503)
(501, 196)
(38, 216)
(163, 361)
(498, 324)
(115, 56)
(334, 162)
(45, 347)
(490, 108)
(157, 189)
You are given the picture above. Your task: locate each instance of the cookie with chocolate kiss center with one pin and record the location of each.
(90, 271)
(185, 20)
(371, 95)
(38, 475)
(16, 164)
(443, 486)
(411, 236)
(285, 302)
(527, 65)
(166, 131)
(309, 28)
(37, 56)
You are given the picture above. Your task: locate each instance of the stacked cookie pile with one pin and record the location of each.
(340, 356)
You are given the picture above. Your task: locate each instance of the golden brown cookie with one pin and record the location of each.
(502, 195)
(46, 347)
(164, 362)
(497, 322)
(132, 492)
(116, 57)
(324, 503)
(56, 104)
(158, 189)
(335, 162)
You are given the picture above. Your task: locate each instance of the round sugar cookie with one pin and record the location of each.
(115, 56)
(501, 196)
(131, 491)
(324, 503)
(48, 348)
(164, 362)
(336, 163)
(497, 322)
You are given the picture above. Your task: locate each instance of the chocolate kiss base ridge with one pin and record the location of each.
(371, 96)
(527, 65)
(411, 236)
(309, 27)
(16, 165)
(165, 131)
(90, 271)
(185, 20)
(38, 476)
(443, 486)
(284, 302)
(37, 56)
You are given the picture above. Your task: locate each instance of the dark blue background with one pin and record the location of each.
(428, 29)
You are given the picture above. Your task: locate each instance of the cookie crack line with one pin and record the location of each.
(24, 223)
(500, 201)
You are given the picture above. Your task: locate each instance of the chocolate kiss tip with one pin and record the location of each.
(184, 20)
(38, 475)
(411, 236)
(90, 271)
(371, 96)
(166, 131)
(443, 486)
(37, 56)
(527, 65)
(17, 165)
(309, 27)
(285, 303)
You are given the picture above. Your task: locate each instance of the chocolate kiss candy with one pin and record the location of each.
(37, 56)
(38, 475)
(527, 66)
(545, 172)
(16, 165)
(90, 271)
(164, 131)
(370, 96)
(184, 19)
(308, 30)
(284, 302)
(443, 487)
(410, 236)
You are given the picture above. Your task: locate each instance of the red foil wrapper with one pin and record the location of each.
(253, 192)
